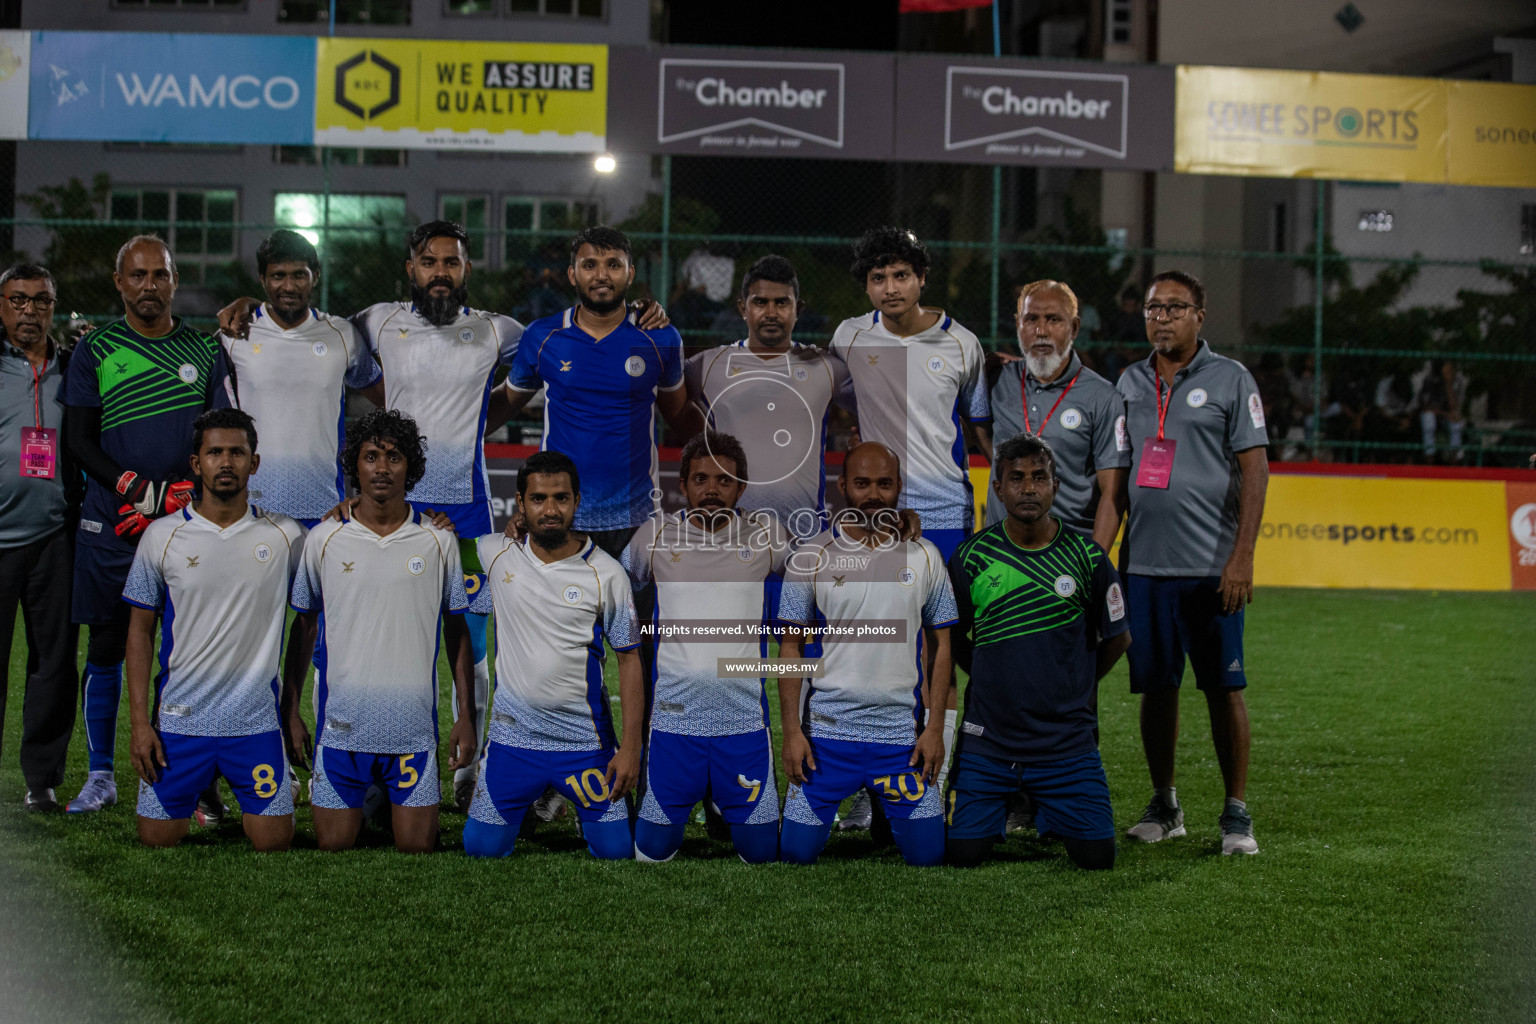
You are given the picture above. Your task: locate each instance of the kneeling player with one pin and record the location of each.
(217, 573)
(1042, 620)
(556, 595)
(709, 736)
(872, 595)
(381, 583)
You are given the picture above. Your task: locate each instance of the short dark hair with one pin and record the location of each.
(550, 463)
(1188, 280)
(399, 430)
(771, 268)
(601, 236)
(424, 233)
(880, 247)
(284, 246)
(29, 272)
(712, 443)
(223, 419)
(1025, 446)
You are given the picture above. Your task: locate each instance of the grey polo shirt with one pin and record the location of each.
(1087, 433)
(30, 507)
(1214, 412)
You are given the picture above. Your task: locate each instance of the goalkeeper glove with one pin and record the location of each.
(149, 499)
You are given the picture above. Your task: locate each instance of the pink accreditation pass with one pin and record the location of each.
(39, 452)
(1156, 462)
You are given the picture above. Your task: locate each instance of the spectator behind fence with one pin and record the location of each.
(36, 552)
(1442, 399)
(1391, 420)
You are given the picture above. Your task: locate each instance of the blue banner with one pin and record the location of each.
(165, 87)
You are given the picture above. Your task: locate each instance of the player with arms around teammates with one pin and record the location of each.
(709, 736)
(384, 582)
(556, 597)
(133, 390)
(217, 575)
(866, 711)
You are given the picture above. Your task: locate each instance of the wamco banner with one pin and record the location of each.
(171, 87)
(1036, 113)
(408, 94)
(730, 103)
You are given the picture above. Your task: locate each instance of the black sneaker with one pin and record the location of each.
(1237, 832)
(41, 800)
(1158, 822)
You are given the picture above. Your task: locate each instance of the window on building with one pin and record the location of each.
(340, 157)
(1279, 228)
(158, 5)
(363, 218)
(595, 9)
(523, 217)
(1528, 230)
(1117, 28)
(348, 12)
(472, 212)
(198, 224)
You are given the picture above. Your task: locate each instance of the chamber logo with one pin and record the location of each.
(719, 102)
(997, 108)
(367, 85)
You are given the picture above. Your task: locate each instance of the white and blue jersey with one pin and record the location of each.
(221, 594)
(441, 377)
(600, 409)
(381, 602)
(871, 690)
(913, 394)
(551, 620)
(708, 580)
(294, 382)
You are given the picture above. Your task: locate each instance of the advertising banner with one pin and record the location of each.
(436, 94)
(15, 76)
(171, 87)
(726, 103)
(1303, 124)
(1492, 134)
(1036, 113)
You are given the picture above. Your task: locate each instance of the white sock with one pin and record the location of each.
(949, 744)
(482, 699)
(1234, 802)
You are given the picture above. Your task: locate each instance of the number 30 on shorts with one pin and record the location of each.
(908, 787)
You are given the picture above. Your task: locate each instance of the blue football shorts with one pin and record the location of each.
(736, 771)
(255, 766)
(342, 778)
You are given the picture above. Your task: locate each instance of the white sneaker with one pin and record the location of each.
(100, 790)
(1237, 832)
(464, 781)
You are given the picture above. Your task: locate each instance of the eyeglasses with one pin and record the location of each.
(1172, 310)
(43, 303)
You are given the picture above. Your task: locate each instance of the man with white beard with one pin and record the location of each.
(1052, 395)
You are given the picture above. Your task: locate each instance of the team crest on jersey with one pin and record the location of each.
(571, 594)
(187, 372)
(263, 553)
(1065, 586)
(935, 364)
(318, 348)
(801, 373)
(1197, 398)
(1071, 419)
(466, 334)
(634, 366)
(906, 577)
(416, 565)
(744, 555)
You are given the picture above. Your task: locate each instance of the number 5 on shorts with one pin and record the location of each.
(408, 775)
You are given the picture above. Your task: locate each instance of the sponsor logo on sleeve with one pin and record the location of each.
(1116, 603)
(1122, 435)
(1256, 410)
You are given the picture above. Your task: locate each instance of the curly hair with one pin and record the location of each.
(880, 247)
(387, 426)
(223, 419)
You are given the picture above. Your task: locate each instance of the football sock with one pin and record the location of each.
(802, 844)
(656, 844)
(101, 688)
(920, 840)
(1234, 802)
(756, 844)
(482, 840)
(1168, 795)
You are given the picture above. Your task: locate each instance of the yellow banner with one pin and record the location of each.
(1492, 134)
(399, 93)
(1303, 124)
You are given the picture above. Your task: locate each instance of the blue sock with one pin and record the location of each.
(482, 840)
(101, 689)
(476, 623)
(756, 844)
(802, 844)
(920, 840)
(609, 840)
(657, 843)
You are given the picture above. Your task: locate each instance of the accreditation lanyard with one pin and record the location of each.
(1024, 402)
(39, 444)
(1162, 406)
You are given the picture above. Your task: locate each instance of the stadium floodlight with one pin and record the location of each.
(605, 163)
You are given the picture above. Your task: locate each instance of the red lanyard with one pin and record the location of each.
(1024, 400)
(1162, 407)
(37, 393)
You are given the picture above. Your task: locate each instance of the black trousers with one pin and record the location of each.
(36, 577)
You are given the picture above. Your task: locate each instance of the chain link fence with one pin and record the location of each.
(1402, 357)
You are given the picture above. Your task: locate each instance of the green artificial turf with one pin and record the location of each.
(1391, 790)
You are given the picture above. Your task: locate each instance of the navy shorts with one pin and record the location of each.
(100, 573)
(342, 778)
(736, 770)
(1177, 616)
(255, 766)
(1071, 796)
